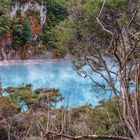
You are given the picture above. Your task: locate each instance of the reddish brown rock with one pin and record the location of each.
(36, 27)
(6, 39)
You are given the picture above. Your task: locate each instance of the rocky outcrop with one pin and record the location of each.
(36, 27)
(22, 10)
(6, 39)
(6, 48)
(27, 51)
(29, 6)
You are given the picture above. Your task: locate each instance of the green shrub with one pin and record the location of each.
(4, 24)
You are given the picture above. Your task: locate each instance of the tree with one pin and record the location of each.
(4, 24)
(110, 29)
(4, 21)
(56, 12)
(17, 35)
(4, 6)
(27, 31)
(123, 42)
(55, 15)
(45, 121)
(4, 18)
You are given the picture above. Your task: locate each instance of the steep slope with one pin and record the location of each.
(24, 24)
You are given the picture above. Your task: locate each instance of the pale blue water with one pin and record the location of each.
(62, 75)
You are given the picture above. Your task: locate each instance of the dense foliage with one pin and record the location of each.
(4, 18)
(28, 29)
(78, 121)
(81, 31)
(4, 24)
(56, 13)
(4, 6)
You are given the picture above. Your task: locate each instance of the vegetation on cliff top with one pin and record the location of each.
(25, 30)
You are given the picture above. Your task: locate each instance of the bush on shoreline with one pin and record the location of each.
(42, 115)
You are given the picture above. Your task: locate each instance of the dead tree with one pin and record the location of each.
(122, 49)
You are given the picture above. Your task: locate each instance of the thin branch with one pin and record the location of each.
(94, 137)
(128, 55)
(108, 31)
(134, 15)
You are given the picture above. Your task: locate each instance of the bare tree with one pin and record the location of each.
(123, 49)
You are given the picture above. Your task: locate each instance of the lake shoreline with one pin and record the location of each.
(67, 58)
(31, 61)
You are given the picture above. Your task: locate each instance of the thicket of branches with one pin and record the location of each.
(99, 30)
(110, 29)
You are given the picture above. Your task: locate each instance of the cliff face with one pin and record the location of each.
(36, 14)
(26, 7)
(6, 39)
(30, 22)
(6, 49)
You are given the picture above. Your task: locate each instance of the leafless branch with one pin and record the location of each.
(94, 137)
(100, 23)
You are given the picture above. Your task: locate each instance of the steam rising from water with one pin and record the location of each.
(59, 75)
